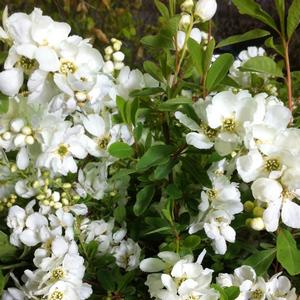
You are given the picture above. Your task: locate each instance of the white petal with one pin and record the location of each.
(11, 81)
(169, 283)
(290, 214)
(94, 124)
(152, 265)
(22, 159)
(47, 59)
(271, 216)
(198, 140)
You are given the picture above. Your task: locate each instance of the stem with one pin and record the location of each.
(288, 74)
(203, 81)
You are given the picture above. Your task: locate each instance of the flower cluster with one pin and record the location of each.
(252, 286)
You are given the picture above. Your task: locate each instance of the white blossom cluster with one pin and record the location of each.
(254, 131)
(59, 267)
(178, 278)
(256, 287)
(62, 102)
(125, 250)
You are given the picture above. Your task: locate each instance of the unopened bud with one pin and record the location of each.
(26, 130)
(109, 50)
(118, 56)
(6, 136)
(187, 6)
(29, 140)
(205, 9)
(248, 206)
(185, 21)
(258, 211)
(257, 224)
(16, 125)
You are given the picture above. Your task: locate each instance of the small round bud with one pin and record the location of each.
(257, 224)
(7, 136)
(185, 21)
(57, 205)
(46, 202)
(248, 206)
(13, 200)
(65, 201)
(76, 197)
(9, 204)
(36, 184)
(107, 57)
(187, 6)
(67, 185)
(258, 211)
(29, 140)
(109, 50)
(117, 45)
(13, 168)
(55, 196)
(205, 9)
(1, 207)
(16, 125)
(51, 203)
(19, 140)
(118, 56)
(40, 197)
(113, 194)
(4, 200)
(118, 65)
(58, 181)
(26, 130)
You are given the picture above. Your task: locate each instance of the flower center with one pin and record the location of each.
(179, 281)
(272, 164)
(103, 142)
(26, 63)
(57, 274)
(209, 132)
(62, 150)
(257, 294)
(67, 67)
(212, 194)
(56, 295)
(229, 125)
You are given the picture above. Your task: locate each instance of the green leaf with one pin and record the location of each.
(106, 279)
(261, 260)
(278, 48)
(4, 103)
(146, 92)
(208, 54)
(196, 52)
(153, 70)
(172, 104)
(239, 38)
(280, 7)
(254, 10)
(2, 282)
(218, 71)
(164, 170)
(7, 251)
(121, 104)
(227, 293)
(287, 252)
(262, 64)
(154, 156)
(192, 242)
(162, 9)
(120, 213)
(120, 150)
(164, 40)
(143, 199)
(293, 19)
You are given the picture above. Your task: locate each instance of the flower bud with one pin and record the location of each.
(118, 56)
(117, 45)
(185, 21)
(6, 136)
(26, 130)
(118, 65)
(258, 211)
(205, 9)
(109, 50)
(16, 125)
(248, 206)
(19, 140)
(29, 140)
(187, 6)
(257, 224)
(80, 96)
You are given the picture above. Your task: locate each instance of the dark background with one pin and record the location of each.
(129, 20)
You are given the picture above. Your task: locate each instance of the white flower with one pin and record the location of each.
(127, 254)
(11, 81)
(196, 35)
(205, 9)
(224, 195)
(217, 228)
(279, 287)
(13, 294)
(61, 148)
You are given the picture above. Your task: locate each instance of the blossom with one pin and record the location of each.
(205, 9)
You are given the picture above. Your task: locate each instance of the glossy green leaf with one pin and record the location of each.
(162, 9)
(196, 52)
(120, 150)
(287, 252)
(293, 19)
(254, 10)
(153, 70)
(155, 155)
(262, 64)
(218, 71)
(143, 199)
(261, 260)
(172, 104)
(239, 38)
(280, 7)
